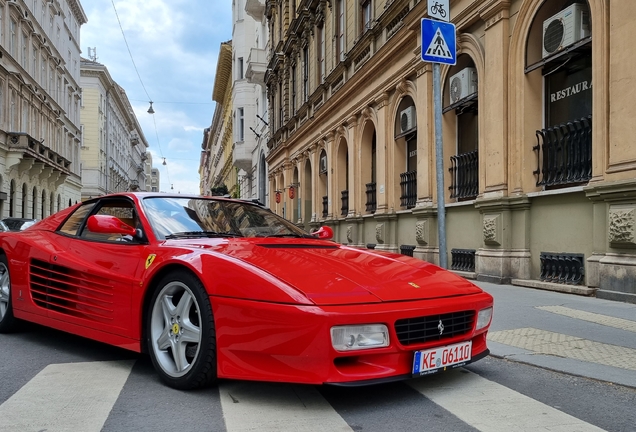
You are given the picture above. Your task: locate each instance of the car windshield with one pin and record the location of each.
(172, 217)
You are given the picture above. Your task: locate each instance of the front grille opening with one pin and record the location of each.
(434, 327)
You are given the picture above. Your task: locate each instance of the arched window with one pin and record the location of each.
(559, 53)
(24, 200)
(322, 182)
(461, 111)
(406, 151)
(34, 203)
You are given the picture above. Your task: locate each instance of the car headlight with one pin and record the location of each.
(483, 318)
(360, 337)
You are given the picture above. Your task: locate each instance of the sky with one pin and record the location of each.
(175, 46)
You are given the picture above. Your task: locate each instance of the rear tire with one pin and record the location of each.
(180, 332)
(8, 322)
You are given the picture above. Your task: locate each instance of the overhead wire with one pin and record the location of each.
(154, 121)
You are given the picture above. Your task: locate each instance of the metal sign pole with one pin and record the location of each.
(439, 165)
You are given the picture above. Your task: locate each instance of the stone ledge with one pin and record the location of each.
(465, 274)
(616, 296)
(551, 286)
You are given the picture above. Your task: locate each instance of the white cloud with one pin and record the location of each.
(175, 47)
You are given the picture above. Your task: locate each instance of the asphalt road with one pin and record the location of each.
(53, 381)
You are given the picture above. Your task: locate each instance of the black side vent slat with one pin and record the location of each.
(426, 329)
(63, 290)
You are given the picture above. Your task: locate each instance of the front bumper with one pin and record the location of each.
(291, 343)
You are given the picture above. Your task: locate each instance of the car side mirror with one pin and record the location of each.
(106, 224)
(324, 233)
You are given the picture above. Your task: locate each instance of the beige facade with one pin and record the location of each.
(539, 170)
(216, 167)
(39, 106)
(114, 149)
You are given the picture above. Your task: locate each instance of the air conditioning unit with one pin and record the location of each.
(462, 84)
(407, 119)
(565, 28)
(323, 164)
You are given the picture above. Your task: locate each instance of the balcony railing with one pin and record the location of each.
(344, 210)
(325, 206)
(463, 260)
(564, 153)
(567, 268)
(372, 203)
(408, 186)
(464, 175)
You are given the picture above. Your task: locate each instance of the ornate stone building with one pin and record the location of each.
(114, 148)
(216, 168)
(540, 173)
(40, 93)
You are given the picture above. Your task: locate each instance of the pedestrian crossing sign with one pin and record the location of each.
(438, 42)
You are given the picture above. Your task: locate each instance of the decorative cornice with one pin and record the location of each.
(494, 11)
(382, 100)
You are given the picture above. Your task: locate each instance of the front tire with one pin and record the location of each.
(181, 334)
(8, 322)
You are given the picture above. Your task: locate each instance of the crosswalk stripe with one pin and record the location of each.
(492, 407)
(66, 397)
(605, 320)
(263, 407)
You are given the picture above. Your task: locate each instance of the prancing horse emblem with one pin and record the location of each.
(440, 327)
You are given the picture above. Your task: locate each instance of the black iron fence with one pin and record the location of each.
(344, 210)
(567, 268)
(564, 153)
(464, 175)
(325, 206)
(408, 186)
(372, 203)
(407, 250)
(463, 260)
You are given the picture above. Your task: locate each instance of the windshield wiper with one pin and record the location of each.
(193, 234)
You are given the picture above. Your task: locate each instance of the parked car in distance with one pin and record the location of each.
(18, 224)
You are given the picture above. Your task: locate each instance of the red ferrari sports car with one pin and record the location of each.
(219, 288)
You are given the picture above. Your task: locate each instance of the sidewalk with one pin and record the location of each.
(578, 335)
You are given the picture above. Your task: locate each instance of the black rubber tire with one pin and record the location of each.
(203, 370)
(8, 323)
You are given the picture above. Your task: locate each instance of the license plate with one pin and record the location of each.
(436, 359)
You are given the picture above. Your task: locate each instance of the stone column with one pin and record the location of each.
(382, 140)
(495, 13)
(505, 254)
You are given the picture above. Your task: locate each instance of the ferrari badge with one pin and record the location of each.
(149, 260)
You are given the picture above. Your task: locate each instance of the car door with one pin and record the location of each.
(102, 271)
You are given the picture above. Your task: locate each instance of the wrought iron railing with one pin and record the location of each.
(463, 259)
(464, 175)
(408, 186)
(325, 206)
(372, 203)
(344, 210)
(564, 268)
(564, 153)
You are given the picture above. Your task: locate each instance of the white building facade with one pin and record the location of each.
(114, 149)
(40, 165)
(250, 38)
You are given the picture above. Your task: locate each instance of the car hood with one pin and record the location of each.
(328, 273)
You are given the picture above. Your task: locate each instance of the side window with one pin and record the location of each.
(74, 222)
(124, 211)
